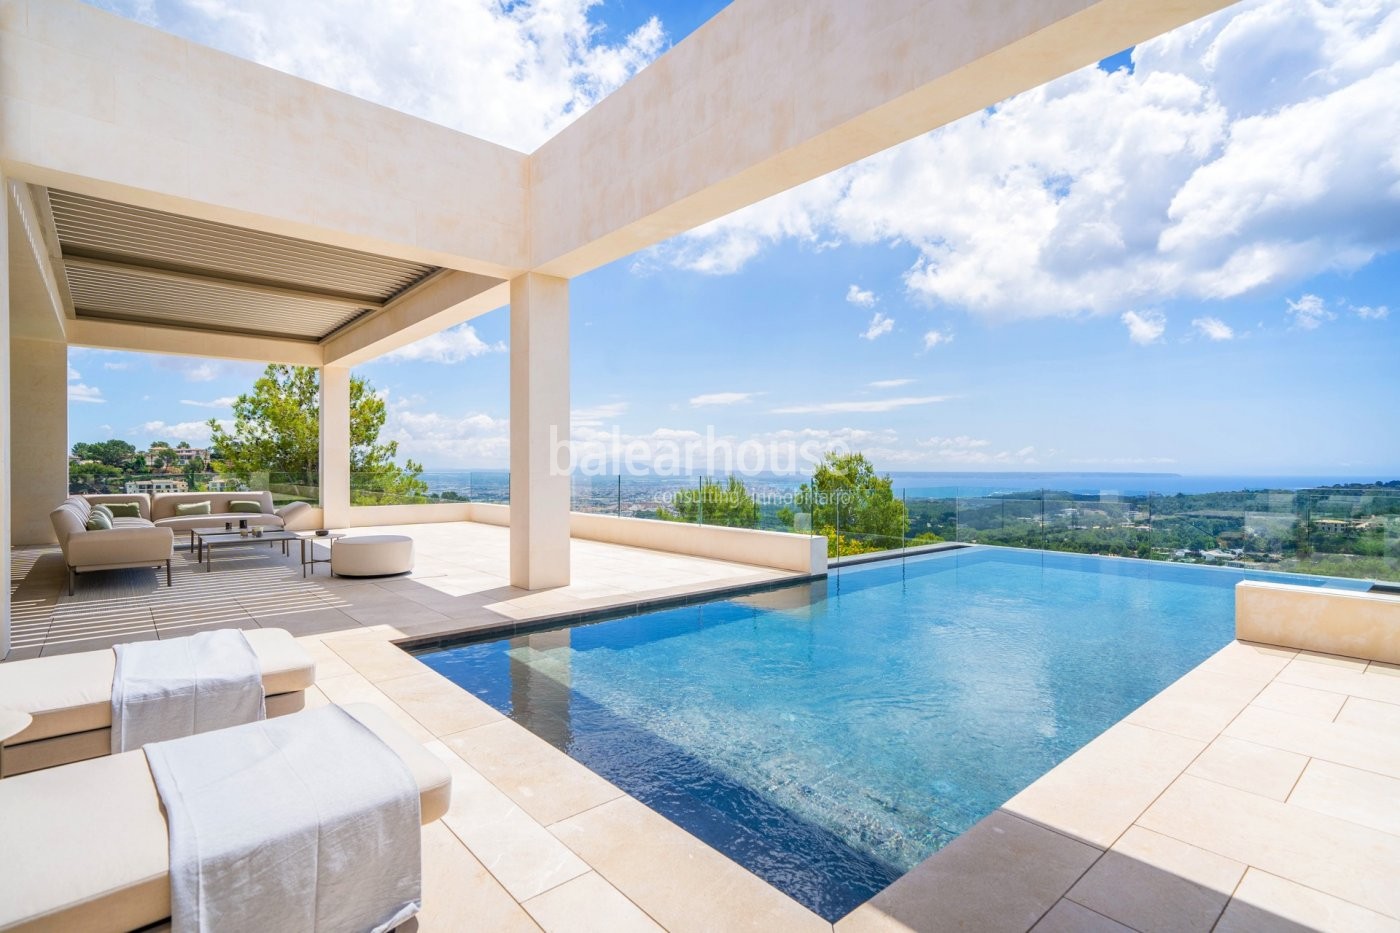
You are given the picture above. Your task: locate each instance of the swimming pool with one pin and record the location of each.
(830, 735)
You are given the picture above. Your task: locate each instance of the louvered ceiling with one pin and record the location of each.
(136, 264)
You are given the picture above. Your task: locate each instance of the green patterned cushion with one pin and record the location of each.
(193, 508)
(123, 509)
(100, 507)
(245, 505)
(99, 521)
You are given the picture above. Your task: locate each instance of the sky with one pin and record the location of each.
(1185, 259)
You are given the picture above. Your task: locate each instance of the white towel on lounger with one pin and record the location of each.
(302, 823)
(183, 686)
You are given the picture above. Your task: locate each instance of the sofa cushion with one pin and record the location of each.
(193, 508)
(104, 509)
(245, 505)
(123, 509)
(98, 521)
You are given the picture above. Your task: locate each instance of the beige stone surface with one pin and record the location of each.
(1266, 903)
(1337, 622)
(1360, 746)
(1358, 711)
(588, 904)
(1363, 797)
(1003, 874)
(1099, 791)
(1068, 917)
(459, 894)
(440, 705)
(670, 874)
(1335, 856)
(1300, 701)
(1152, 882)
(1198, 705)
(1259, 769)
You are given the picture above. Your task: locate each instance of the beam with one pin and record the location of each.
(150, 338)
(768, 95)
(39, 288)
(443, 300)
(155, 274)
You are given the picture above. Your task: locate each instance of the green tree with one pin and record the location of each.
(276, 429)
(713, 504)
(852, 506)
(116, 453)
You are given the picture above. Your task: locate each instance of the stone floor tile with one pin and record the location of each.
(1097, 793)
(1300, 701)
(1330, 660)
(675, 878)
(1359, 796)
(1337, 857)
(1358, 711)
(1068, 917)
(544, 782)
(1258, 769)
(1248, 659)
(1198, 705)
(375, 658)
(520, 853)
(1344, 743)
(1344, 680)
(459, 894)
(353, 688)
(1003, 874)
(588, 904)
(1152, 883)
(439, 704)
(1266, 903)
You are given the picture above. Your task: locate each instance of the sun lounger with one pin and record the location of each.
(91, 844)
(70, 698)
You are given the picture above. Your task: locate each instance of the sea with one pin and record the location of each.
(493, 485)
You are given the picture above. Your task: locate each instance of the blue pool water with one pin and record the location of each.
(831, 735)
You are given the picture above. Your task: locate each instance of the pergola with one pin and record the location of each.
(165, 197)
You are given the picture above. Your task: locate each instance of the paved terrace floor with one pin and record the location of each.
(1259, 792)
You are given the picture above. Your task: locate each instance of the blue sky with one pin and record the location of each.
(1189, 265)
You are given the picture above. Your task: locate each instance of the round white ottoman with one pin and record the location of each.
(371, 556)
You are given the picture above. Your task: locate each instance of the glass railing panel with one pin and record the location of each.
(285, 487)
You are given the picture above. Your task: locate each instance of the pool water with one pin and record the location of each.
(830, 735)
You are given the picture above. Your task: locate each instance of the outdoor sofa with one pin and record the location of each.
(147, 539)
(91, 844)
(70, 698)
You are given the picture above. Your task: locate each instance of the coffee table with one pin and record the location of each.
(208, 539)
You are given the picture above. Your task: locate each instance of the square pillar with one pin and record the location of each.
(539, 431)
(38, 437)
(335, 446)
(6, 499)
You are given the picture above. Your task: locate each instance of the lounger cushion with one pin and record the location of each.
(96, 847)
(71, 693)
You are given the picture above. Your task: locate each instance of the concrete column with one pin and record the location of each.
(335, 446)
(5, 498)
(539, 431)
(39, 437)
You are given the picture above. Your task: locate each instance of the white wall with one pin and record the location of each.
(38, 438)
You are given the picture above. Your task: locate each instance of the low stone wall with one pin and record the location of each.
(1346, 622)
(364, 516)
(776, 549)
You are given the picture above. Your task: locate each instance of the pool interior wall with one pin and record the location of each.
(831, 734)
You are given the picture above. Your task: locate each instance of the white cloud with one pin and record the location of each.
(888, 383)
(224, 402)
(721, 398)
(597, 415)
(449, 346)
(879, 326)
(116, 367)
(475, 439)
(196, 433)
(1144, 327)
(963, 450)
(1213, 328)
(1366, 312)
(867, 406)
(77, 392)
(513, 73)
(1189, 177)
(860, 297)
(1309, 312)
(936, 338)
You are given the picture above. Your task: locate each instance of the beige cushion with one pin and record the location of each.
(372, 555)
(183, 523)
(164, 503)
(95, 853)
(71, 693)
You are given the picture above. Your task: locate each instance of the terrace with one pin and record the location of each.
(1258, 788)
